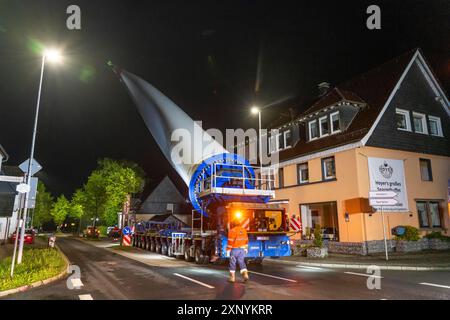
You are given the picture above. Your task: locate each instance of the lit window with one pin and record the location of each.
(425, 170)
(435, 126)
(287, 139)
(324, 127)
(328, 168)
(429, 215)
(420, 123)
(313, 132)
(303, 173)
(402, 119)
(335, 123)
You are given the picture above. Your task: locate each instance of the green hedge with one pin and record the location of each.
(37, 264)
(437, 235)
(411, 234)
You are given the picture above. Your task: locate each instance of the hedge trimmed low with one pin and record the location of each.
(37, 264)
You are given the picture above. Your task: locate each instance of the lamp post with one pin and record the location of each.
(256, 110)
(52, 56)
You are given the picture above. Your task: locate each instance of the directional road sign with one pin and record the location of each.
(382, 202)
(35, 166)
(382, 194)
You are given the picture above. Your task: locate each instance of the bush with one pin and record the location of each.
(102, 230)
(411, 234)
(318, 241)
(37, 264)
(437, 235)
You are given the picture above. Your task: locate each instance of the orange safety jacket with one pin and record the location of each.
(237, 238)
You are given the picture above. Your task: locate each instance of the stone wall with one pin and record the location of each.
(371, 247)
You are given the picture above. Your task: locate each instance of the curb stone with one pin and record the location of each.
(40, 282)
(360, 266)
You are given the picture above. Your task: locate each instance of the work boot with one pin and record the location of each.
(245, 275)
(232, 277)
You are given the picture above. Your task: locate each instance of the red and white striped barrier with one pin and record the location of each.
(295, 225)
(126, 241)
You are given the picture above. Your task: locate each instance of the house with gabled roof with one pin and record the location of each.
(164, 199)
(386, 130)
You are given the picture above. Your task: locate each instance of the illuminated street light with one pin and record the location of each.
(51, 55)
(256, 110)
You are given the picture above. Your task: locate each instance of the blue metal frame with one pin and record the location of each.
(204, 171)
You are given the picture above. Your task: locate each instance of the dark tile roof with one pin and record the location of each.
(371, 88)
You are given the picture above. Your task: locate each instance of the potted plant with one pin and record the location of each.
(317, 250)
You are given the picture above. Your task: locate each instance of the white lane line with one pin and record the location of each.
(435, 285)
(364, 275)
(310, 267)
(85, 297)
(76, 282)
(195, 281)
(270, 276)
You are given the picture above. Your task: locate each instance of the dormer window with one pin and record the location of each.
(403, 120)
(313, 130)
(335, 122)
(287, 138)
(435, 126)
(324, 127)
(420, 123)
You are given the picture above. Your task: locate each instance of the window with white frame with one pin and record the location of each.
(280, 141)
(435, 126)
(313, 132)
(335, 122)
(287, 138)
(420, 123)
(303, 173)
(402, 119)
(324, 127)
(328, 168)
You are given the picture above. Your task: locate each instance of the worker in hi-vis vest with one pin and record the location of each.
(237, 249)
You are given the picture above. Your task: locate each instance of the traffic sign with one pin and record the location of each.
(23, 188)
(126, 231)
(35, 166)
(382, 194)
(382, 202)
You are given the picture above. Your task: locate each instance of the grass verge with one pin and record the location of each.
(37, 264)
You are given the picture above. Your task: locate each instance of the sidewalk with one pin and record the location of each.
(418, 261)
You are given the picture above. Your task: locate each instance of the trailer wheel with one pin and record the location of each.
(169, 251)
(187, 256)
(148, 244)
(164, 249)
(158, 247)
(152, 246)
(198, 255)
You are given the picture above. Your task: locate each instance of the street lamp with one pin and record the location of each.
(52, 55)
(256, 110)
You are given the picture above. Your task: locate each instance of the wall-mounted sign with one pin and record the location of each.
(387, 176)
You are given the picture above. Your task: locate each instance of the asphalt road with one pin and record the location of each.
(109, 275)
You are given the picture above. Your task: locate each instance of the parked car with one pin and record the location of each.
(28, 238)
(91, 232)
(115, 233)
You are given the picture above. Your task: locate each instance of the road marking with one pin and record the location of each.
(310, 267)
(364, 275)
(268, 275)
(195, 281)
(85, 297)
(435, 285)
(76, 282)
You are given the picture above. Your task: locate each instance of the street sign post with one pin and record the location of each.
(380, 199)
(35, 167)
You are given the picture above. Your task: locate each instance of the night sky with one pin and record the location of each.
(203, 55)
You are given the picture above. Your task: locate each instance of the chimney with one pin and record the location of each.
(323, 88)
